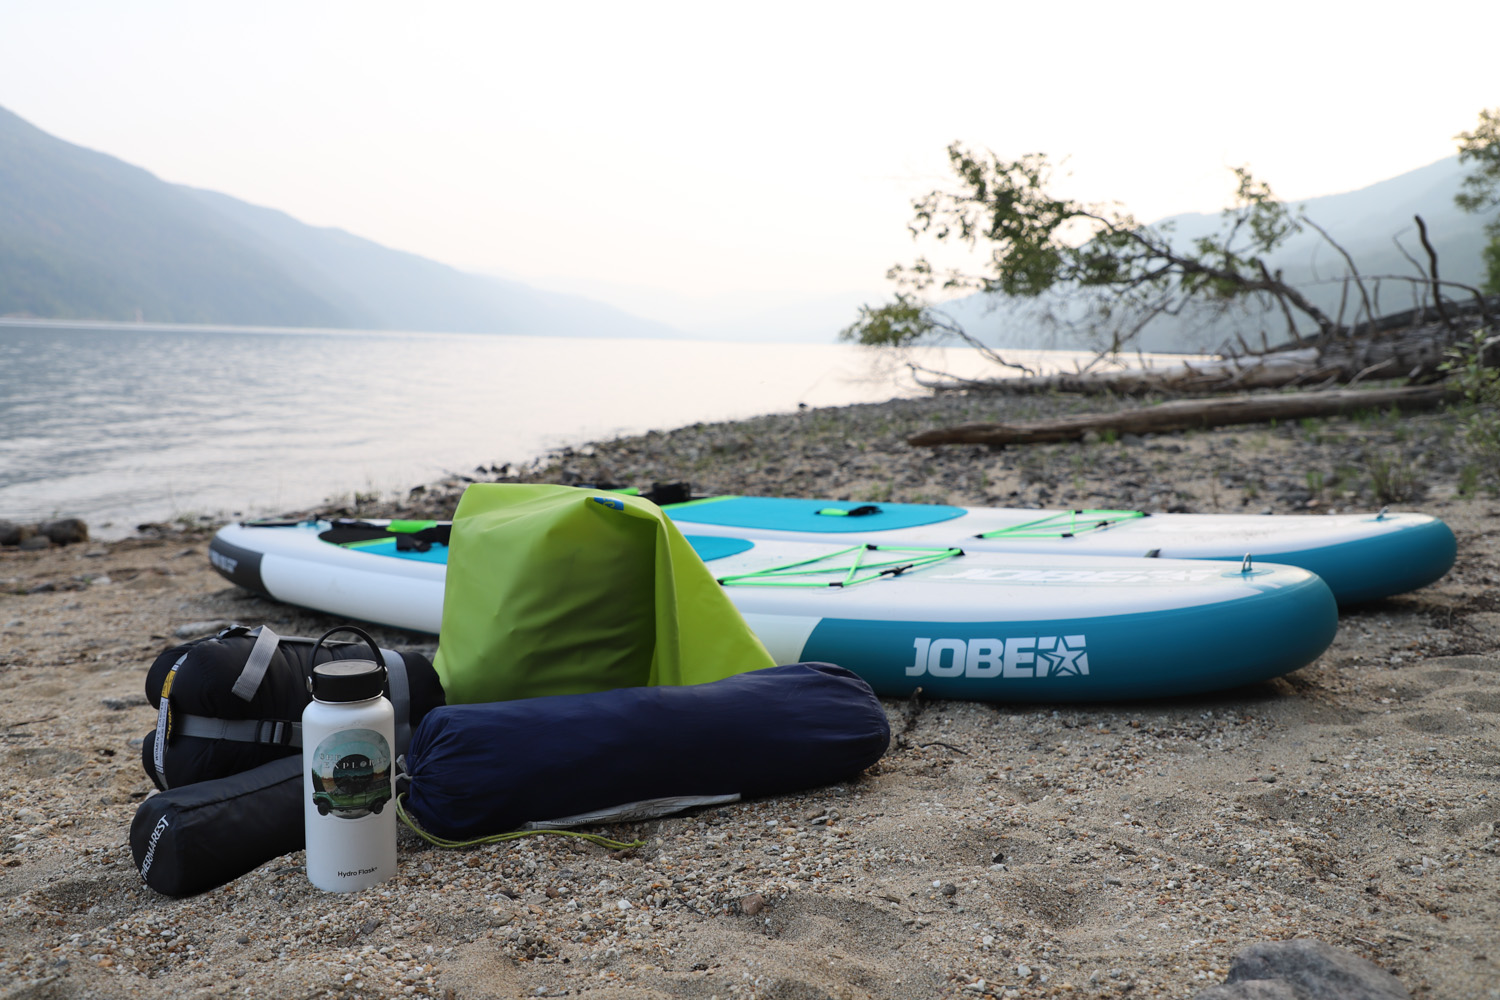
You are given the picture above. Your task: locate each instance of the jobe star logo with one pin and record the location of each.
(1016, 657)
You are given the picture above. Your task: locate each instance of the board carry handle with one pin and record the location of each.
(864, 511)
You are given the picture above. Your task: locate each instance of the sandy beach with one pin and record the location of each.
(1111, 850)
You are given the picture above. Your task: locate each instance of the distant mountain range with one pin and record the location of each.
(1366, 223)
(87, 236)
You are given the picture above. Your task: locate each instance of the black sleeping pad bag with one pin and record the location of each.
(235, 701)
(198, 837)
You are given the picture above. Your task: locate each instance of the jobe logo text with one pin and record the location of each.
(1016, 657)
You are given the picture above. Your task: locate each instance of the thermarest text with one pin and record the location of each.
(1016, 657)
(161, 828)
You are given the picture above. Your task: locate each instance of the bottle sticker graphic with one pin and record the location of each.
(351, 774)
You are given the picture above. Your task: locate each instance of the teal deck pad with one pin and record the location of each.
(710, 547)
(387, 547)
(793, 514)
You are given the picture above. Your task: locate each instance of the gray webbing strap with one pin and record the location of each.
(275, 731)
(255, 666)
(395, 671)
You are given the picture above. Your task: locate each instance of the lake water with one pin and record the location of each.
(125, 424)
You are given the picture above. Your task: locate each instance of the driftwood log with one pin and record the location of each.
(1187, 414)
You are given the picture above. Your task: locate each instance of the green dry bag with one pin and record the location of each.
(559, 590)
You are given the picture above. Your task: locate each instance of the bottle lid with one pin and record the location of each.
(347, 680)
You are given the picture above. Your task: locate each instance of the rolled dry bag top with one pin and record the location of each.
(198, 837)
(234, 701)
(483, 769)
(560, 590)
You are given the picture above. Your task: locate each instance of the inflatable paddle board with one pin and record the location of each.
(1362, 557)
(987, 626)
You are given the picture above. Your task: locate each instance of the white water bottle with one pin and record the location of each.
(348, 740)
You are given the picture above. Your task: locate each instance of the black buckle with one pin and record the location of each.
(274, 732)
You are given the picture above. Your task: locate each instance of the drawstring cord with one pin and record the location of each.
(496, 838)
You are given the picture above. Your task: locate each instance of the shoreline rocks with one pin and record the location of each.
(42, 534)
(1304, 969)
(860, 453)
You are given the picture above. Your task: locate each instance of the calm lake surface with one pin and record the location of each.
(125, 424)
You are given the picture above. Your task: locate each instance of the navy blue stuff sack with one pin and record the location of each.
(483, 769)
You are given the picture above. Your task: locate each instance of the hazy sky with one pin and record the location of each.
(702, 150)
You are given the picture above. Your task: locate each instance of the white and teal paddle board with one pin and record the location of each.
(1362, 557)
(977, 625)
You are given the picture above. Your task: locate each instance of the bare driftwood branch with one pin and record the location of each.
(1479, 304)
(1437, 289)
(1286, 310)
(1353, 273)
(1187, 414)
(1418, 287)
(948, 325)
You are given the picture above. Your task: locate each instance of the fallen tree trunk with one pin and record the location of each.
(1414, 353)
(1187, 414)
(1270, 371)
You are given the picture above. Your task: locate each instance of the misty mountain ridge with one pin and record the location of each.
(86, 236)
(1364, 222)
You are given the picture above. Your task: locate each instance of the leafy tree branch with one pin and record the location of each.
(1034, 241)
(1480, 190)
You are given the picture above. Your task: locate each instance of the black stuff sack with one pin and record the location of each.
(234, 701)
(198, 837)
(476, 770)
